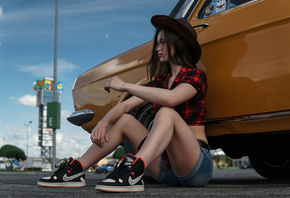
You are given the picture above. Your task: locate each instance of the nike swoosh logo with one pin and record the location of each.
(66, 178)
(134, 181)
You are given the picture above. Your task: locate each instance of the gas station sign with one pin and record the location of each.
(48, 85)
(45, 91)
(49, 109)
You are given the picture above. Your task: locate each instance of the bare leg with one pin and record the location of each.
(126, 126)
(172, 133)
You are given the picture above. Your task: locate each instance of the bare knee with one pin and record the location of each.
(125, 119)
(127, 123)
(166, 113)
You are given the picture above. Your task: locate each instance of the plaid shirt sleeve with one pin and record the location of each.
(193, 110)
(197, 78)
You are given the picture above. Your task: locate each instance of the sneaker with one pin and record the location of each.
(68, 174)
(127, 176)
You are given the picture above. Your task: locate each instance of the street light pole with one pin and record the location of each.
(27, 125)
(55, 83)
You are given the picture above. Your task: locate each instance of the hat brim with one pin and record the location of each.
(180, 28)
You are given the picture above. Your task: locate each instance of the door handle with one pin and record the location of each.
(203, 25)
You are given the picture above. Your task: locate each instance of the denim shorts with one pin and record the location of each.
(198, 176)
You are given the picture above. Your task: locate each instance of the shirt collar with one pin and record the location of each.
(177, 78)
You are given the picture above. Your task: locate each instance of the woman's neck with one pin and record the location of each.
(175, 69)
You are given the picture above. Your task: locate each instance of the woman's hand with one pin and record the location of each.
(99, 134)
(114, 83)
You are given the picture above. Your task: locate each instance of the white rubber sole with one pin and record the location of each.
(135, 188)
(62, 184)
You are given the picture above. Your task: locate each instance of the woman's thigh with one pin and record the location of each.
(183, 150)
(131, 128)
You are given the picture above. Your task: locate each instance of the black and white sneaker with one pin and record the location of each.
(127, 176)
(69, 174)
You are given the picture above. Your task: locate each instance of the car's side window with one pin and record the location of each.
(234, 3)
(212, 7)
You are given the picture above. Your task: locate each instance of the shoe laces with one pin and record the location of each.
(119, 167)
(60, 164)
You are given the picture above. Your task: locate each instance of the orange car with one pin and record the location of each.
(246, 55)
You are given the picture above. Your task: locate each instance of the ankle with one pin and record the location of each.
(136, 158)
(80, 164)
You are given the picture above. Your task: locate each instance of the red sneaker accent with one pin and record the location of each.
(80, 164)
(137, 159)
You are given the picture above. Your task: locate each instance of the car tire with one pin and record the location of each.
(146, 117)
(272, 167)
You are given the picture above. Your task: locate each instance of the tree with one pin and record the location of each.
(222, 160)
(119, 153)
(12, 152)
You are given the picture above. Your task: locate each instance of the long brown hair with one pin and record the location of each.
(182, 54)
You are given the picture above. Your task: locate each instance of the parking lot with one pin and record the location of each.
(224, 183)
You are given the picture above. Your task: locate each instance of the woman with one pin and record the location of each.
(175, 151)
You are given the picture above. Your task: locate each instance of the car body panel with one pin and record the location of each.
(245, 53)
(247, 59)
(88, 91)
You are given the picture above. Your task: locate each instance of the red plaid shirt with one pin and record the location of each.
(193, 110)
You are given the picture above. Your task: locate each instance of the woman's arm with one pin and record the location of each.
(165, 97)
(99, 133)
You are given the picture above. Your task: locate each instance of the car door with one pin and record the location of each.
(245, 51)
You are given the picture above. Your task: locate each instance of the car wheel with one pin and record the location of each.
(272, 167)
(145, 116)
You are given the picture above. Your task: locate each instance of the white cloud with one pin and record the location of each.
(70, 140)
(65, 113)
(68, 9)
(59, 137)
(107, 36)
(17, 135)
(46, 69)
(46, 10)
(28, 100)
(74, 147)
(1, 12)
(65, 66)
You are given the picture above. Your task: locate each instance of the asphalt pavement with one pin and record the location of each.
(224, 183)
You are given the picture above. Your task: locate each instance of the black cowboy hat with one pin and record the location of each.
(182, 28)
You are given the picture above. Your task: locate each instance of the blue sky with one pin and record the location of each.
(89, 32)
